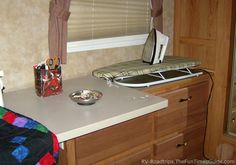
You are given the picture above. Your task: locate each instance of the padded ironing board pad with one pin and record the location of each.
(137, 67)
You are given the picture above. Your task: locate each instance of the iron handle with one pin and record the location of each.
(186, 99)
(181, 145)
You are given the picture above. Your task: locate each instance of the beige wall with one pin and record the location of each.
(23, 42)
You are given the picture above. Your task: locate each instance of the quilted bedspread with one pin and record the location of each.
(25, 141)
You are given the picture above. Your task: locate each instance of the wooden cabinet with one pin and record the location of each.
(174, 117)
(203, 29)
(176, 132)
(186, 117)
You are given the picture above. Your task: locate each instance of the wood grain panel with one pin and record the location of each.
(174, 100)
(134, 154)
(166, 124)
(197, 106)
(180, 114)
(202, 30)
(198, 51)
(136, 158)
(197, 41)
(194, 137)
(186, 145)
(63, 160)
(167, 87)
(168, 150)
(217, 112)
(174, 117)
(197, 23)
(166, 131)
(195, 30)
(68, 154)
(113, 140)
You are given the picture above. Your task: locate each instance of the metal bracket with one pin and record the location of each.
(61, 145)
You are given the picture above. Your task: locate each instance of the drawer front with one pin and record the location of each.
(169, 149)
(186, 145)
(177, 99)
(197, 105)
(194, 138)
(113, 140)
(186, 106)
(137, 158)
(174, 117)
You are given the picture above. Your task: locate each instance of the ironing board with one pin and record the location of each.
(138, 74)
(137, 67)
(25, 141)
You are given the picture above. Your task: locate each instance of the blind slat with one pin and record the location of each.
(92, 19)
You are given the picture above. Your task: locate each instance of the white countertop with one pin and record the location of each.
(69, 120)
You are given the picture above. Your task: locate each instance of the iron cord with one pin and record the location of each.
(208, 102)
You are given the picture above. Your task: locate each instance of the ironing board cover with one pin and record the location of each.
(25, 141)
(138, 67)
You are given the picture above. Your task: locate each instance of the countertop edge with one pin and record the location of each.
(62, 137)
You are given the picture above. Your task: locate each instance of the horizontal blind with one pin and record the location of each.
(94, 19)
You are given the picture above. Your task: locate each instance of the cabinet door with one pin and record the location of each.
(174, 117)
(195, 30)
(203, 30)
(113, 140)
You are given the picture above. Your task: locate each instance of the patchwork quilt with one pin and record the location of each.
(25, 141)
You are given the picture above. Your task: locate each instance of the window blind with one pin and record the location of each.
(94, 19)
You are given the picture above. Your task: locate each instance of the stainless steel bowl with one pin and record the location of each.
(85, 96)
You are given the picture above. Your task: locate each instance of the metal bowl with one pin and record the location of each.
(85, 96)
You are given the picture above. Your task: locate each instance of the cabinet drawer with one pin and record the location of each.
(194, 138)
(186, 106)
(174, 117)
(197, 105)
(134, 157)
(177, 99)
(137, 158)
(186, 145)
(168, 149)
(113, 140)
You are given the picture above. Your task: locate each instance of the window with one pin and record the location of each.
(96, 24)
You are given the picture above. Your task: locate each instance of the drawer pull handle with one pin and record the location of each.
(187, 99)
(181, 145)
(233, 120)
